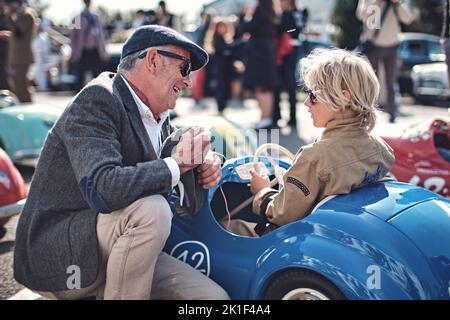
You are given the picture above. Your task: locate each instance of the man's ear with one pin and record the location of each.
(151, 60)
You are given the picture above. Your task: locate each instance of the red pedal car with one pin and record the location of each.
(12, 191)
(422, 156)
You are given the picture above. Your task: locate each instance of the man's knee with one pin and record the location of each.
(217, 293)
(153, 211)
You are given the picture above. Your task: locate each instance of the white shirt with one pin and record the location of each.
(153, 129)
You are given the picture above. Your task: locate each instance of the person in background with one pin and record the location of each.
(4, 36)
(219, 41)
(239, 52)
(140, 19)
(166, 18)
(22, 21)
(199, 76)
(41, 49)
(342, 93)
(384, 39)
(260, 66)
(291, 23)
(88, 44)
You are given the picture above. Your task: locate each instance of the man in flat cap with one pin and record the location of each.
(97, 214)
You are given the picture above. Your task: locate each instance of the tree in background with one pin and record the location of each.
(344, 17)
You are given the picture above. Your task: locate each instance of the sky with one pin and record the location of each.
(62, 11)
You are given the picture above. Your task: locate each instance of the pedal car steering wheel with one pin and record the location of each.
(278, 171)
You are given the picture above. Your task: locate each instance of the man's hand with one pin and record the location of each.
(210, 171)
(258, 182)
(192, 149)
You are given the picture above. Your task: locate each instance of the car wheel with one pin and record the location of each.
(302, 285)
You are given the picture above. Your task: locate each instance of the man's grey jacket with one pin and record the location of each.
(97, 158)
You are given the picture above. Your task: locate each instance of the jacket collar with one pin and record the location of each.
(349, 127)
(121, 90)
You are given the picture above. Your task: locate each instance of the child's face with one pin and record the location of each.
(319, 113)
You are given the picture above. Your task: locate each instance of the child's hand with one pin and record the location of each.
(258, 182)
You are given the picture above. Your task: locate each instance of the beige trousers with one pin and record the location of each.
(132, 265)
(240, 227)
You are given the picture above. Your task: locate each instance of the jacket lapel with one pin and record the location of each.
(121, 90)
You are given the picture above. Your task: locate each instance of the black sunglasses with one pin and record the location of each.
(186, 67)
(312, 97)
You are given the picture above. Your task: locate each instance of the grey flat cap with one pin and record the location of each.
(154, 35)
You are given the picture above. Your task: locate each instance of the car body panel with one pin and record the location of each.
(428, 227)
(430, 81)
(23, 129)
(12, 189)
(347, 240)
(413, 49)
(417, 159)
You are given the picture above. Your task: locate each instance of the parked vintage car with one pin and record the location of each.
(422, 156)
(12, 191)
(414, 49)
(24, 127)
(382, 241)
(430, 83)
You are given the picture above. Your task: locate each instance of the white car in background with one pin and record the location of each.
(430, 82)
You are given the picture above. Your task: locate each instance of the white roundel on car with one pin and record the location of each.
(194, 253)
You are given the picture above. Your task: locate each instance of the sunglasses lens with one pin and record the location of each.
(186, 69)
(311, 95)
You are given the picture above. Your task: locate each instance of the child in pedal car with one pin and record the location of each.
(342, 92)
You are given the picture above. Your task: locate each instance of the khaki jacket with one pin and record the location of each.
(23, 28)
(344, 158)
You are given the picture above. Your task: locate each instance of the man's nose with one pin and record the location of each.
(187, 81)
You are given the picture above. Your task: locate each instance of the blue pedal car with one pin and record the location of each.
(388, 240)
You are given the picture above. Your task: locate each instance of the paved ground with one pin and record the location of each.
(246, 117)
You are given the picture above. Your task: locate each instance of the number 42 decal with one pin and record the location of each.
(194, 253)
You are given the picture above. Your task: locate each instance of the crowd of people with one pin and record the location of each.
(26, 43)
(254, 52)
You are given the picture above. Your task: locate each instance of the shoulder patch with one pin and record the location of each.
(299, 185)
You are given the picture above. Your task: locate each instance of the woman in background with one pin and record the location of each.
(260, 67)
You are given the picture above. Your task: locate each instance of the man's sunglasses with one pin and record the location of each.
(185, 67)
(312, 97)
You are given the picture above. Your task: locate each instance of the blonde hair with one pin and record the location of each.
(327, 72)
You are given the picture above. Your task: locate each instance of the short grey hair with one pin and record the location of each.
(129, 62)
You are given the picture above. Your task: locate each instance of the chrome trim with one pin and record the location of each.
(12, 209)
(304, 294)
(27, 154)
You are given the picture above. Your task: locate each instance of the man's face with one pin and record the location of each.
(171, 81)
